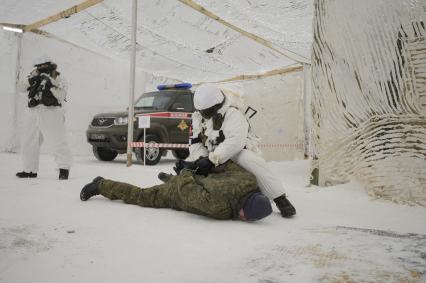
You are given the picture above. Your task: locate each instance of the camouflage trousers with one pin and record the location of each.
(218, 195)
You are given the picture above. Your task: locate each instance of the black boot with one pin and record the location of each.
(90, 189)
(285, 207)
(24, 174)
(63, 174)
(164, 177)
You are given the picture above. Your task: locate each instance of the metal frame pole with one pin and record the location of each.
(144, 146)
(132, 83)
(14, 139)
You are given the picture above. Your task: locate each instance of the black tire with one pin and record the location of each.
(180, 154)
(104, 154)
(153, 154)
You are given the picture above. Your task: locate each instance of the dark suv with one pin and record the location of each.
(170, 109)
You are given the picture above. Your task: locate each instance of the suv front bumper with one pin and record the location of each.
(112, 137)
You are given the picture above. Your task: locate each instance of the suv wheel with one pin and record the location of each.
(104, 154)
(180, 154)
(153, 154)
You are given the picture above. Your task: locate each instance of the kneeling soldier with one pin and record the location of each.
(229, 192)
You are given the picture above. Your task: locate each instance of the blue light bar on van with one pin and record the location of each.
(180, 86)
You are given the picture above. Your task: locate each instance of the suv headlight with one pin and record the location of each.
(121, 121)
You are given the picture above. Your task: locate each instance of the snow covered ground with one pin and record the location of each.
(339, 235)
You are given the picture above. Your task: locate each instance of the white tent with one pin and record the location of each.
(179, 42)
(367, 56)
(209, 42)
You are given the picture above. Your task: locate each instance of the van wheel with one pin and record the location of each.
(180, 154)
(104, 154)
(153, 154)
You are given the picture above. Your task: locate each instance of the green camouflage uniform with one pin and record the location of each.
(218, 195)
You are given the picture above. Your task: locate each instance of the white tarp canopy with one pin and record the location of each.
(178, 42)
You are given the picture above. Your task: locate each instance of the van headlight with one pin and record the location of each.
(119, 121)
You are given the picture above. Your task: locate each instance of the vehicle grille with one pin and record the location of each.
(102, 122)
(98, 140)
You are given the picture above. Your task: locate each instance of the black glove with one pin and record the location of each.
(204, 166)
(182, 164)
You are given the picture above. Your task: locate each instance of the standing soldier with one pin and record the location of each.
(46, 95)
(228, 192)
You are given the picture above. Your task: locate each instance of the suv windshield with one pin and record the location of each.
(154, 100)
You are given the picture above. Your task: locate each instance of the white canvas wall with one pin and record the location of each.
(279, 119)
(8, 55)
(96, 84)
(99, 84)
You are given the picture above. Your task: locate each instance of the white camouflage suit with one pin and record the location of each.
(239, 145)
(46, 123)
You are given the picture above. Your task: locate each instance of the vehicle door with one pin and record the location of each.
(180, 118)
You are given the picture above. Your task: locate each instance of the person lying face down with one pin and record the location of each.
(228, 192)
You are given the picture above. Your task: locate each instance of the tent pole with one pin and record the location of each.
(132, 82)
(14, 144)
